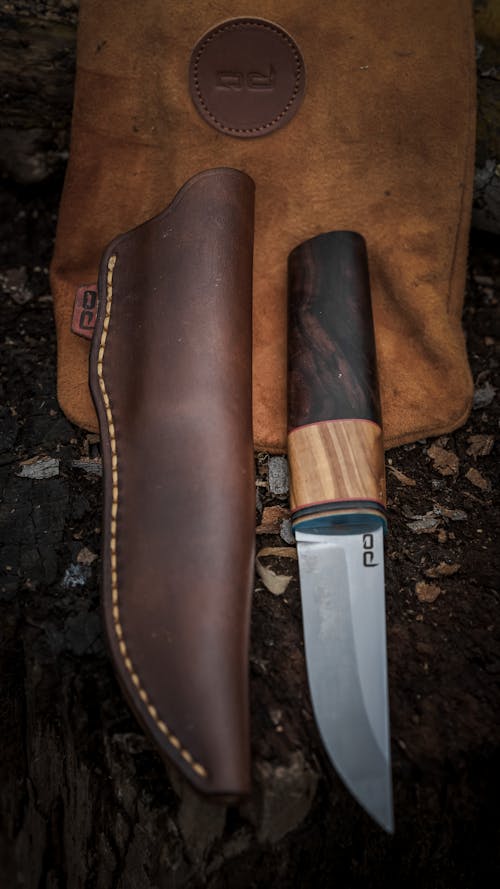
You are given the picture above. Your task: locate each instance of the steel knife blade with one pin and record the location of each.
(337, 485)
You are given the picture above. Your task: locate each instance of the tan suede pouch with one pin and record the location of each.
(382, 143)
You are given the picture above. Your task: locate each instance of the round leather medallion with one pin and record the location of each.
(247, 77)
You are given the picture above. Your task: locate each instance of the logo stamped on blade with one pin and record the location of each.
(247, 77)
(368, 551)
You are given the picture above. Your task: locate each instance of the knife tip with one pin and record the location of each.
(388, 824)
(375, 796)
(383, 812)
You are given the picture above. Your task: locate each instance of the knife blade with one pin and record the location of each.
(337, 492)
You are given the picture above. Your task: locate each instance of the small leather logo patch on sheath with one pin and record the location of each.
(85, 311)
(247, 77)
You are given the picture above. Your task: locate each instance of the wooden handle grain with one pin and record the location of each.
(335, 435)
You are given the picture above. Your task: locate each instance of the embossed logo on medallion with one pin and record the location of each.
(247, 77)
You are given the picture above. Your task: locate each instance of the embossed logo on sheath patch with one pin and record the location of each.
(247, 77)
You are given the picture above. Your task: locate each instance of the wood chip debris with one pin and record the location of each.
(456, 515)
(427, 592)
(39, 467)
(483, 396)
(90, 466)
(401, 477)
(480, 445)
(475, 478)
(444, 461)
(286, 532)
(76, 576)
(274, 581)
(278, 476)
(444, 569)
(86, 556)
(425, 524)
(15, 282)
(272, 517)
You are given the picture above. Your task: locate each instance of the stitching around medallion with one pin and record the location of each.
(248, 23)
(199, 769)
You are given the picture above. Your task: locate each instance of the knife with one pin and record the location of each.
(337, 493)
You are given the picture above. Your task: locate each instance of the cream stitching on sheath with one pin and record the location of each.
(153, 712)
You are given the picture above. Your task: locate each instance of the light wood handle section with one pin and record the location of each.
(336, 461)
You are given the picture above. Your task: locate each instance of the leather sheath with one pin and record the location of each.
(170, 375)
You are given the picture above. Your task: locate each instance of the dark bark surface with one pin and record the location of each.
(37, 68)
(85, 802)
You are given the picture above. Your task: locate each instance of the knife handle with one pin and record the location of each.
(335, 439)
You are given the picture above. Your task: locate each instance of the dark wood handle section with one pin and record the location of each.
(332, 366)
(335, 441)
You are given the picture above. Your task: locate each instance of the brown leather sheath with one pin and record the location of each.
(170, 375)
